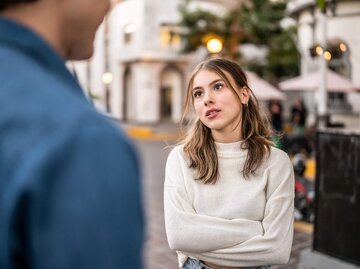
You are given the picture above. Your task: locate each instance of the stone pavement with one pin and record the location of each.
(157, 254)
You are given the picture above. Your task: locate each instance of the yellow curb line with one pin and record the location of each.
(139, 132)
(304, 227)
(148, 134)
(158, 137)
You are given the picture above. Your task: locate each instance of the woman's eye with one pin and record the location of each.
(218, 86)
(197, 94)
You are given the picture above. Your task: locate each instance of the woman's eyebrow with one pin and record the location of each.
(210, 84)
(215, 81)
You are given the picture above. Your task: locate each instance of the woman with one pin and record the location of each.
(228, 194)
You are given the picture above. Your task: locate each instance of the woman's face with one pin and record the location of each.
(217, 106)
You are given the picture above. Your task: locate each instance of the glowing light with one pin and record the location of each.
(319, 50)
(214, 45)
(327, 55)
(342, 47)
(107, 78)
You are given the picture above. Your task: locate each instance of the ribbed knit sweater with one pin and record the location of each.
(236, 221)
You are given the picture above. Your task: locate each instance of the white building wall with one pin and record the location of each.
(346, 28)
(127, 12)
(306, 39)
(145, 55)
(116, 88)
(341, 26)
(146, 91)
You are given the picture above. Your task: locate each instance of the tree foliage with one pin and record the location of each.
(257, 22)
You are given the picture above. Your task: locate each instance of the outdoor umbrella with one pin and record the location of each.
(311, 82)
(262, 89)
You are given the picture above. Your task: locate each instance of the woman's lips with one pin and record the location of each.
(212, 113)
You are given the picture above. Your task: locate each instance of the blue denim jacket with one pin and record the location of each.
(69, 179)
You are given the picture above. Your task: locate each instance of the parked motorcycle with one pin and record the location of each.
(304, 190)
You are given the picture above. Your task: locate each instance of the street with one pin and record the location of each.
(157, 254)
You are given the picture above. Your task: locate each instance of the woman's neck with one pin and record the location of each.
(228, 137)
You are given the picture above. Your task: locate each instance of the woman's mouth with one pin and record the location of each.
(212, 113)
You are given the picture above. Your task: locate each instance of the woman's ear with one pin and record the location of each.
(244, 95)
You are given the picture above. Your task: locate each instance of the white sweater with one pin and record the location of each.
(237, 221)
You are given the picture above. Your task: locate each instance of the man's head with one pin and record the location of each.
(81, 20)
(6, 3)
(69, 26)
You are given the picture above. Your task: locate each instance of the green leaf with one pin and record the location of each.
(321, 5)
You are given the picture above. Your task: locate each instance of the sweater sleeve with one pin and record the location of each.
(188, 231)
(274, 245)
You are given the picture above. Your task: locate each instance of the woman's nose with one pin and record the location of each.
(208, 98)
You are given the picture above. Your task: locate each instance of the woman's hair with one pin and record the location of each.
(7, 3)
(199, 145)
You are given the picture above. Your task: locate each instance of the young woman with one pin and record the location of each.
(229, 195)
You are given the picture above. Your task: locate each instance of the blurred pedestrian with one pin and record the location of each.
(228, 194)
(275, 110)
(298, 116)
(69, 178)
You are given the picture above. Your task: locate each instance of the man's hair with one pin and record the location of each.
(7, 3)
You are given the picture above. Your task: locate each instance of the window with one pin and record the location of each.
(128, 31)
(169, 35)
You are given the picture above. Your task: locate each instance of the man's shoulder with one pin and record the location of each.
(34, 95)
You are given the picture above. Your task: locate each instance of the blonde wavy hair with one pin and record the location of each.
(199, 145)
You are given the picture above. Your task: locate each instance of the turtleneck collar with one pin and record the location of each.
(233, 149)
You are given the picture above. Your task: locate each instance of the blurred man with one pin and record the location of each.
(69, 179)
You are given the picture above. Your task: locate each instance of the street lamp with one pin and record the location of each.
(214, 45)
(107, 78)
(327, 55)
(342, 47)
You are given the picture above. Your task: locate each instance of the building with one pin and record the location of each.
(342, 42)
(137, 73)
